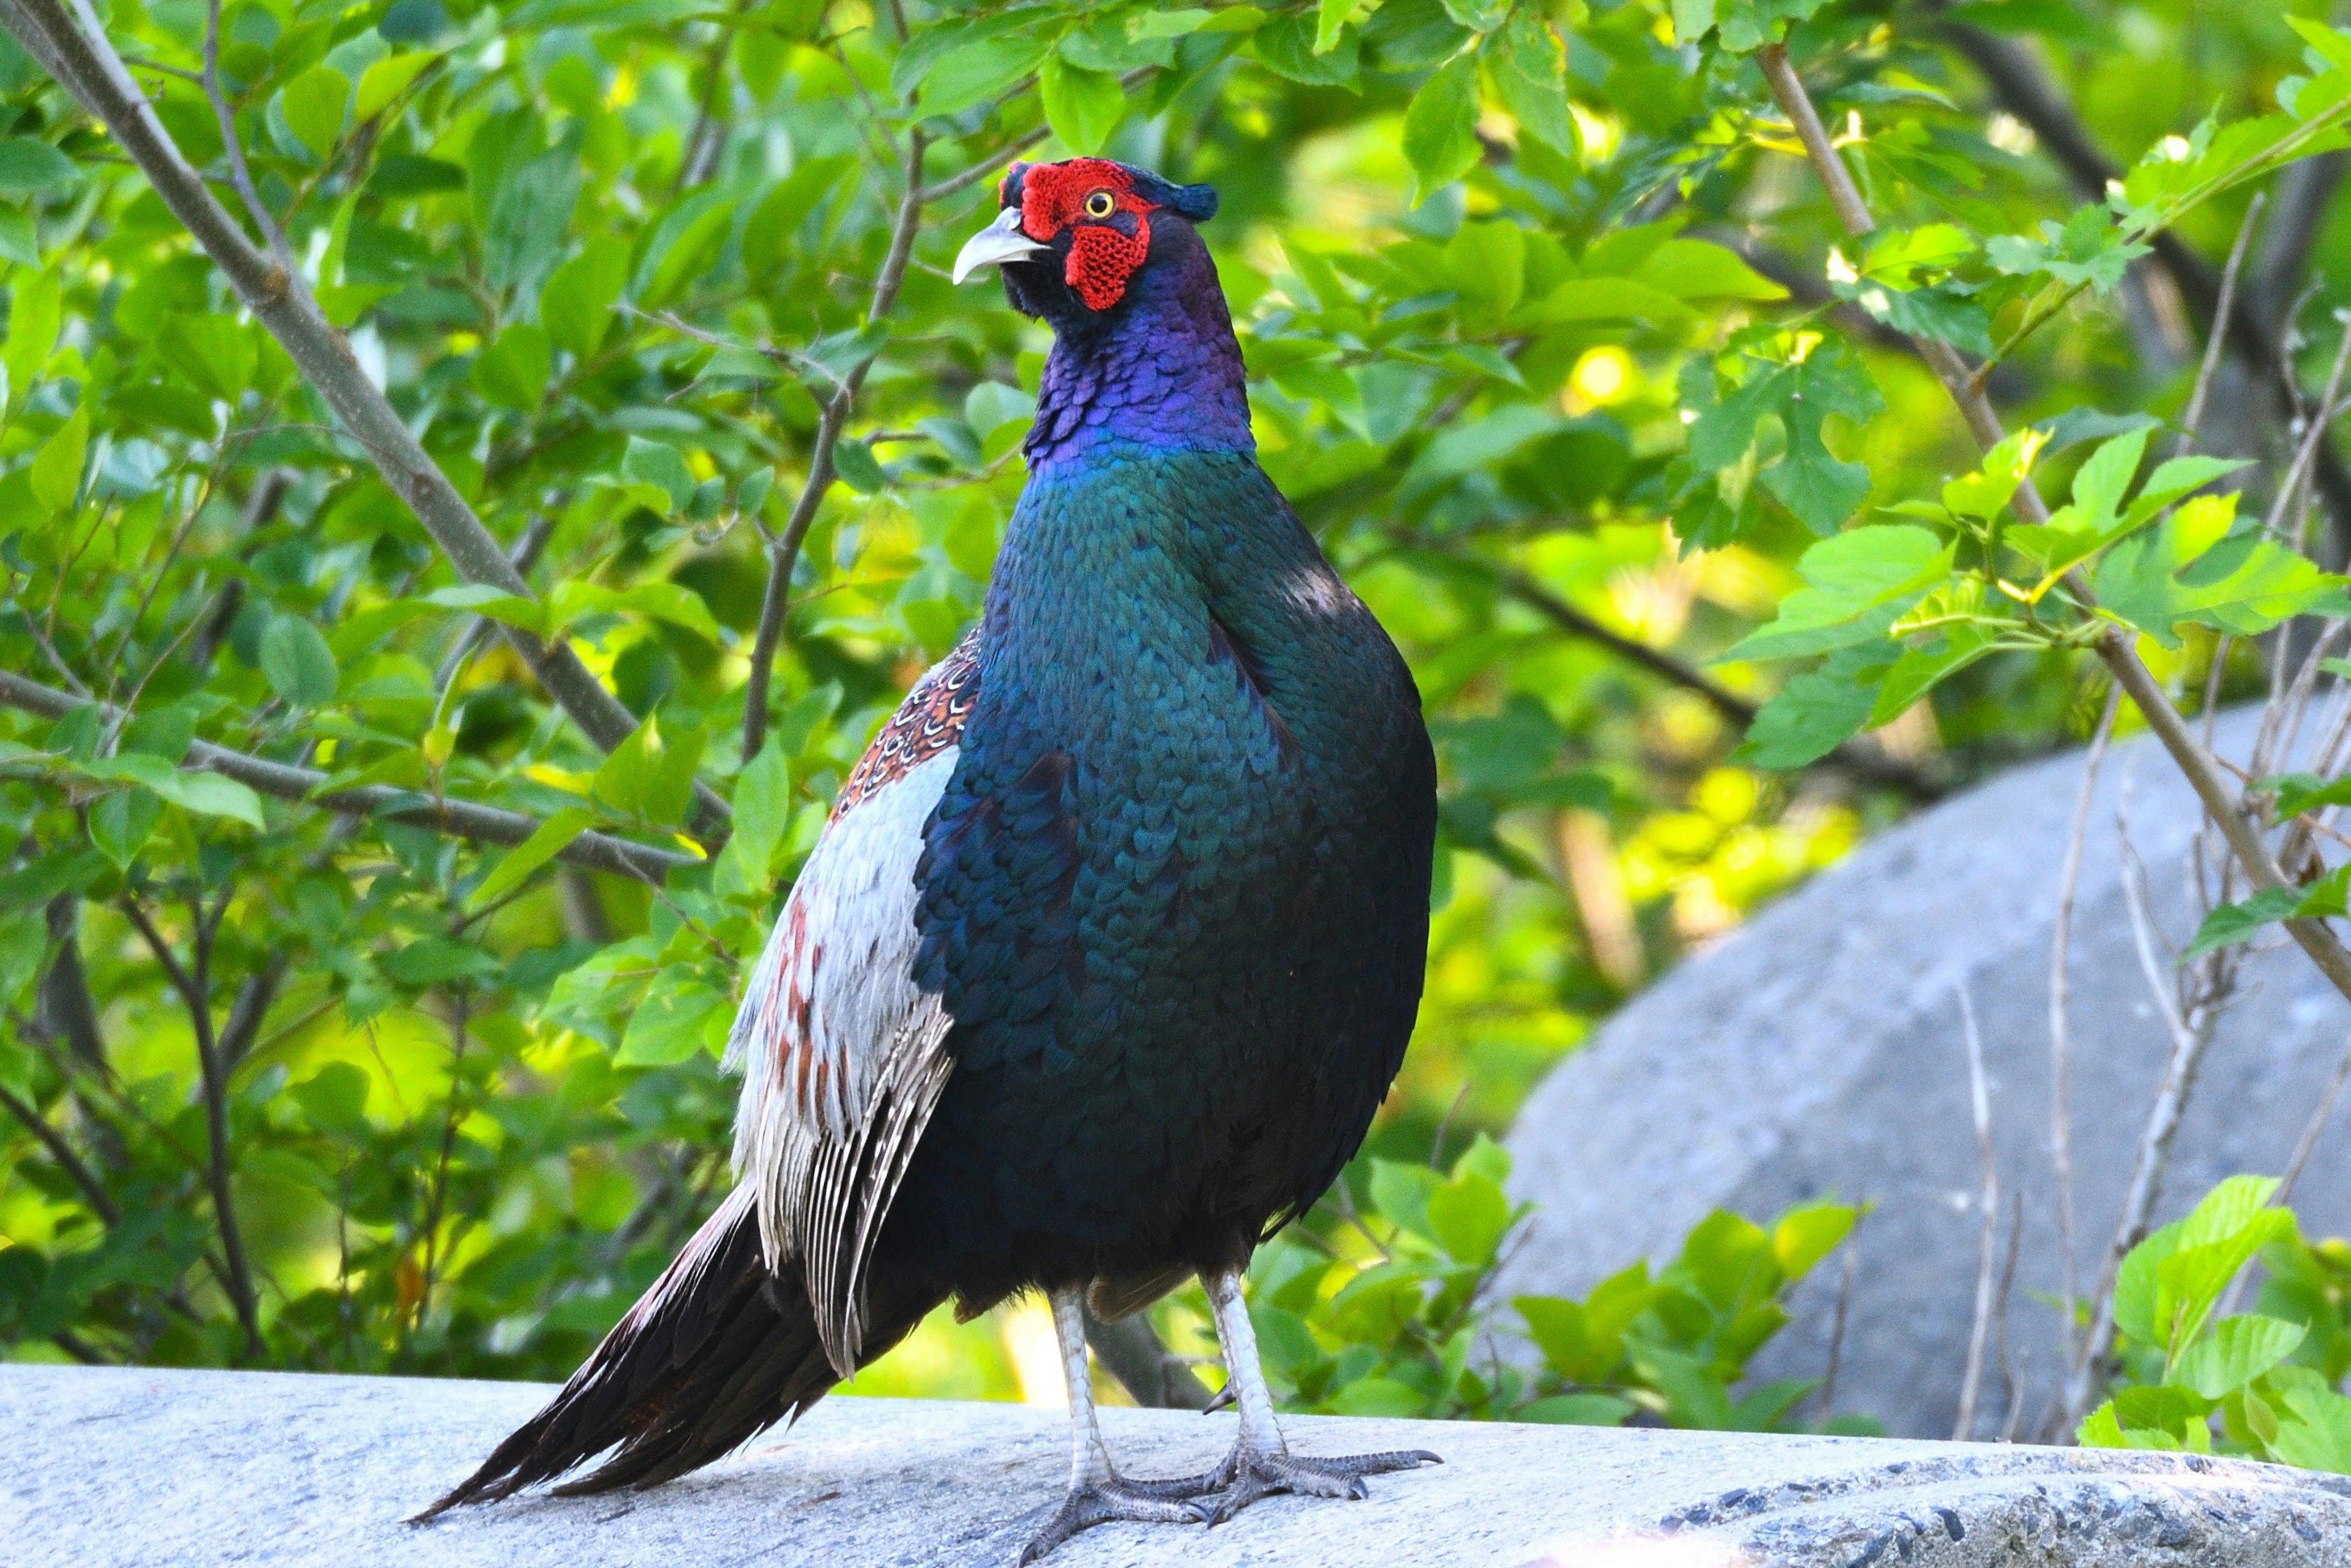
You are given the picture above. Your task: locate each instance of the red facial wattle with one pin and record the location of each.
(1102, 258)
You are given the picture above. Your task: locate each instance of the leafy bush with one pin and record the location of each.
(1389, 1312)
(2268, 1377)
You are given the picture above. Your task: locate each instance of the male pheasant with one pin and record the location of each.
(1114, 939)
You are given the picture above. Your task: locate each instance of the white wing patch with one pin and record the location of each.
(841, 1055)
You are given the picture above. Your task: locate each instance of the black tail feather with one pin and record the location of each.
(719, 1350)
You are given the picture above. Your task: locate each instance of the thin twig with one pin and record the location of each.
(2303, 1147)
(2012, 1383)
(783, 555)
(2191, 1035)
(2061, 1118)
(1827, 1396)
(1963, 1425)
(2115, 647)
(92, 1191)
(2193, 416)
(240, 176)
(82, 61)
(304, 786)
(1863, 760)
(237, 1277)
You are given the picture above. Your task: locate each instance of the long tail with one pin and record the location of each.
(719, 1350)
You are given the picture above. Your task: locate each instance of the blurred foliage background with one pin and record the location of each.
(658, 284)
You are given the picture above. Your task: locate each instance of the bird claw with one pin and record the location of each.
(1104, 1501)
(1245, 1479)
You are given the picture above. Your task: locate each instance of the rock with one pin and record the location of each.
(128, 1468)
(1818, 1050)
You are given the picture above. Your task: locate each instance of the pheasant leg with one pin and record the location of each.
(1097, 1493)
(1261, 1464)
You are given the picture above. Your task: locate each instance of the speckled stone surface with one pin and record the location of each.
(1817, 1050)
(105, 1469)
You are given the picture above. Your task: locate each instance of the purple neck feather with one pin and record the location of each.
(1160, 372)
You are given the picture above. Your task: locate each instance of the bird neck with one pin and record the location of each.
(1159, 373)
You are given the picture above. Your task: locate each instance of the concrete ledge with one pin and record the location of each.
(103, 1467)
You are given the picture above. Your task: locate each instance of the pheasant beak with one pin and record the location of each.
(999, 242)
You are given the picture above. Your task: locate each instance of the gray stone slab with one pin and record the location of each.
(107, 1468)
(1817, 1050)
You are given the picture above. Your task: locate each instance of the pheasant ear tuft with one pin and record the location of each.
(1197, 202)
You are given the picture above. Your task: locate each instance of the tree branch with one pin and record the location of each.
(1860, 760)
(284, 781)
(784, 551)
(2114, 647)
(239, 175)
(84, 63)
(66, 1008)
(2024, 89)
(238, 1276)
(93, 1191)
(1132, 1351)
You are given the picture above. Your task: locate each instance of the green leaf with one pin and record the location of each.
(671, 1023)
(649, 774)
(2244, 583)
(437, 961)
(763, 807)
(2226, 924)
(575, 307)
(1440, 126)
(549, 840)
(661, 465)
(1083, 106)
(213, 353)
(1985, 492)
(1695, 269)
(33, 306)
(207, 794)
(121, 824)
(1400, 1194)
(1577, 1410)
(1803, 1236)
(31, 168)
(2162, 1410)
(335, 1097)
(20, 239)
(2315, 1431)
(1329, 16)
(2300, 792)
(386, 80)
(495, 603)
(1529, 68)
(1921, 669)
(1818, 711)
(2241, 1349)
(1847, 576)
(685, 251)
(1468, 1216)
(981, 69)
(56, 466)
(1384, 1397)
(513, 372)
(854, 462)
(298, 662)
(314, 105)
(1749, 25)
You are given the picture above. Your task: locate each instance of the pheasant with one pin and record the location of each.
(1113, 940)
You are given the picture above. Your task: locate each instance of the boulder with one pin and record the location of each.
(1818, 1049)
(129, 1469)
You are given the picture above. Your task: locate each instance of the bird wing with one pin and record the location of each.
(843, 1054)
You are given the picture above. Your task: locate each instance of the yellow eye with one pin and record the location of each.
(1100, 204)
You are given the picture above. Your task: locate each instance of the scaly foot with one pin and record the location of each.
(1244, 1477)
(1103, 1501)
